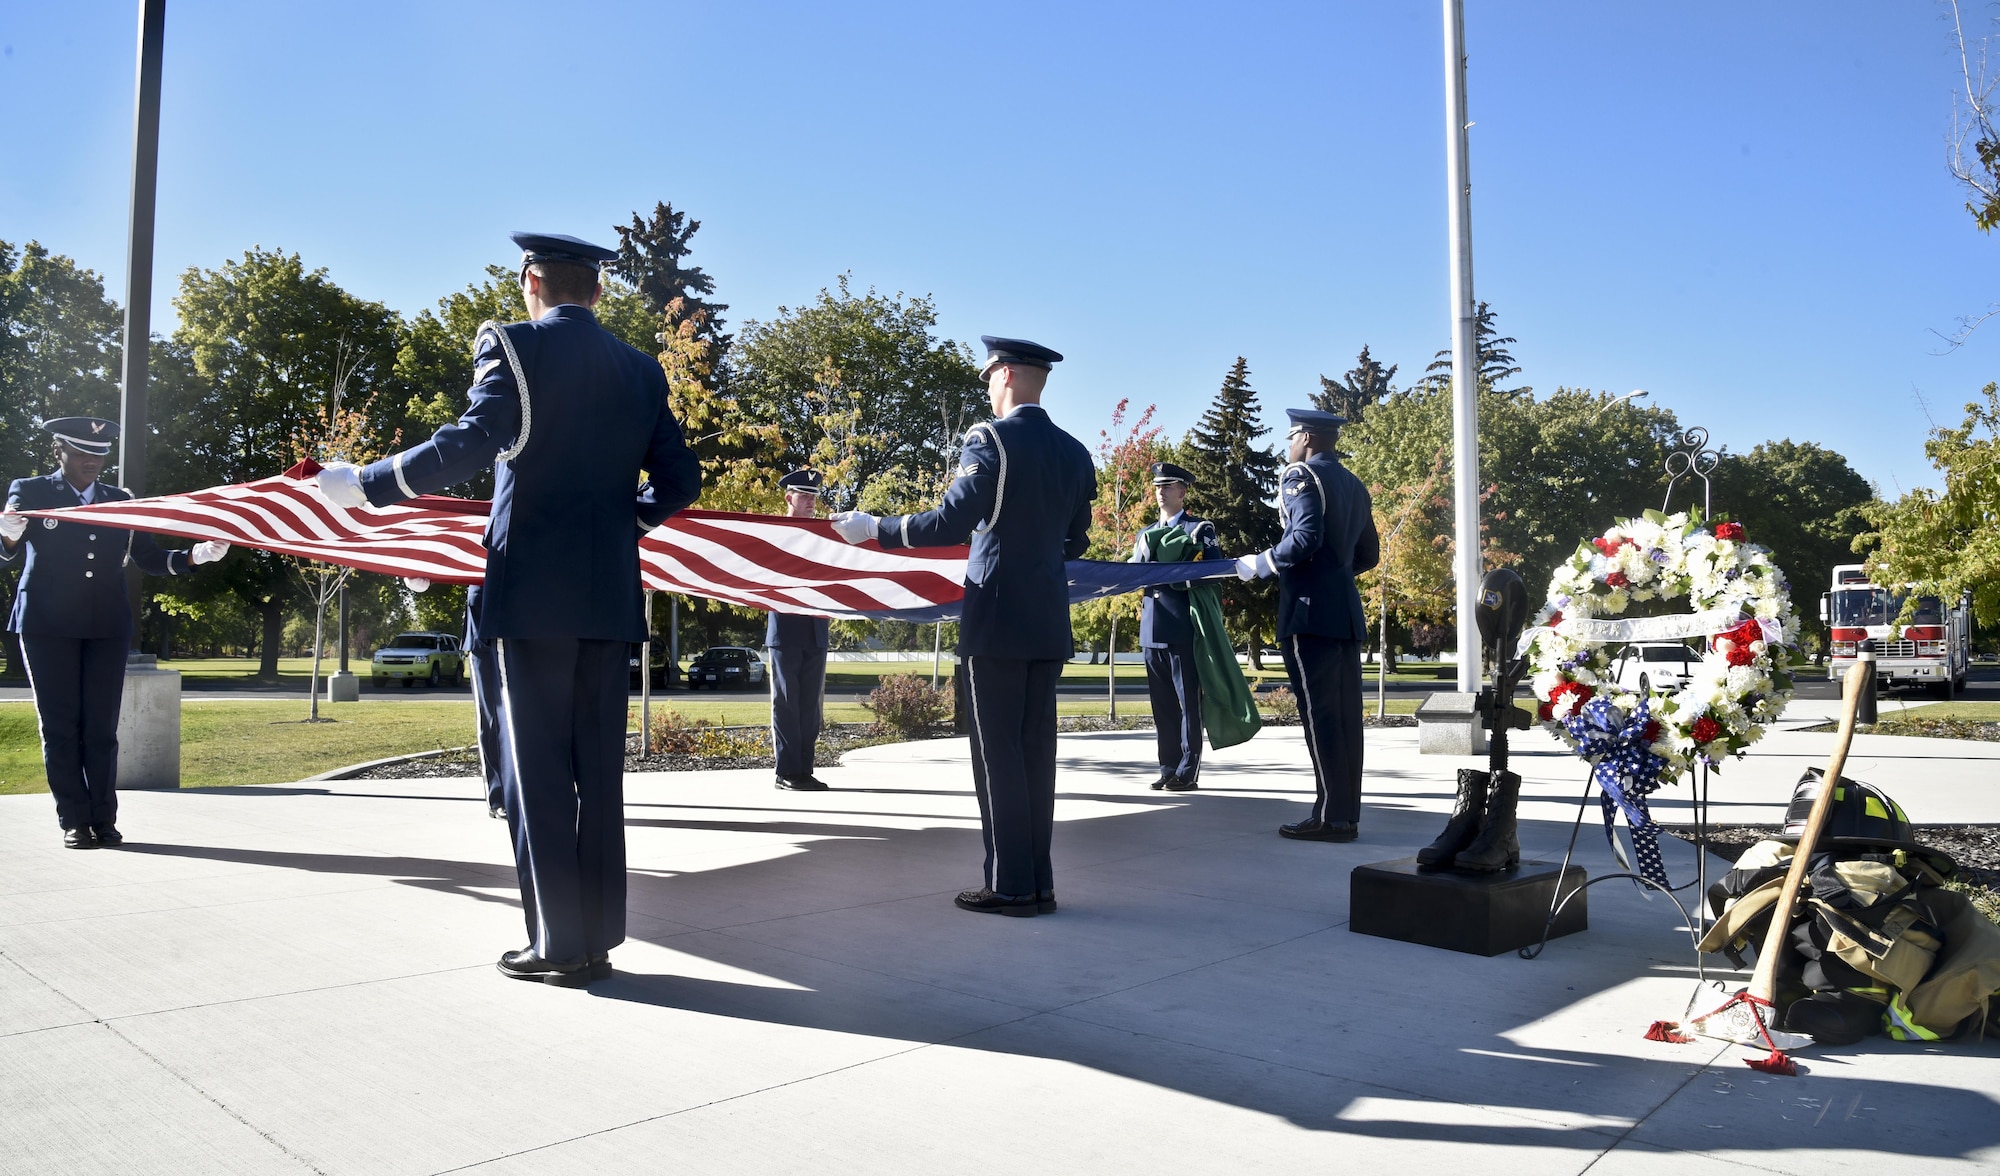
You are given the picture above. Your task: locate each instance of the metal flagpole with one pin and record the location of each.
(1464, 351)
(139, 267)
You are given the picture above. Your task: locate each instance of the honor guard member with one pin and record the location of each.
(1329, 538)
(1166, 633)
(572, 415)
(75, 622)
(798, 664)
(1022, 495)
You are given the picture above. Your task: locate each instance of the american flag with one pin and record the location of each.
(765, 562)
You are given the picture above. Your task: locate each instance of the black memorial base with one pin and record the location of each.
(1459, 910)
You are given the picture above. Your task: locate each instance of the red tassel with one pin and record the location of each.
(1773, 1063)
(1667, 1031)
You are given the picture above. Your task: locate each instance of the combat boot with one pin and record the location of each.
(1498, 846)
(1464, 824)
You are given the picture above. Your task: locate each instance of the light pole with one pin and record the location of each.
(1634, 394)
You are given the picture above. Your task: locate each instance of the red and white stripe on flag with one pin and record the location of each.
(761, 561)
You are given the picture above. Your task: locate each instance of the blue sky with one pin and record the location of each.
(1742, 208)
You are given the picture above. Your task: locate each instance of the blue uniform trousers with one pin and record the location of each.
(1326, 678)
(1174, 685)
(485, 696)
(1014, 768)
(79, 685)
(798, 679)
(559, 719)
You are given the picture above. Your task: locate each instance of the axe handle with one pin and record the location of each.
(1764, 982)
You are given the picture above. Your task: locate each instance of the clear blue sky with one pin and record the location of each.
(1743, 208)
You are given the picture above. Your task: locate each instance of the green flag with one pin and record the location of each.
(1228, 712)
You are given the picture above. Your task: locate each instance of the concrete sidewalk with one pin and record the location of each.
(298, 978)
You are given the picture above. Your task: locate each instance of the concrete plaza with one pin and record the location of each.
(299, 978)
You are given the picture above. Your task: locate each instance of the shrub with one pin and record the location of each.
(1283, 706)
(906, 704)
(676, 734)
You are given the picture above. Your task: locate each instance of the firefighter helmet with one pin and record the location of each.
(1861, 815)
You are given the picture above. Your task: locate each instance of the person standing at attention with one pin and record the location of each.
(572, 415)
(1022, 497)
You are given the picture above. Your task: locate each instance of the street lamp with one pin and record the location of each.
(1632, 395)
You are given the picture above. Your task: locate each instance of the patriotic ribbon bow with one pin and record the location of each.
(1625, 771)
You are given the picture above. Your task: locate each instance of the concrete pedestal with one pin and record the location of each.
(1460, 910)
(342, 686)
(1447, 724)
(149, 727)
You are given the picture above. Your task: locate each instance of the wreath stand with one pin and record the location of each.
(1692, 457)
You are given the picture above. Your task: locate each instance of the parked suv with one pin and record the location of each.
(725, 665)
(433, 658)
(1667, 664)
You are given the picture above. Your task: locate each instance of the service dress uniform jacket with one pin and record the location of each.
(1173, 680)
(798, 647)
(1022, 496)
(1329, 539)
(75, 624)
(573, 416)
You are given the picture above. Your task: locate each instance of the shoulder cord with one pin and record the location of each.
(520, 385)
(1318, 486)
(1000, 483)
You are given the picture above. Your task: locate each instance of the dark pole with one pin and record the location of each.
(343, 628)
(139, 265)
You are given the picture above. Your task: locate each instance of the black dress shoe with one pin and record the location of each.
(799, 784)
(1180, 784)
(526, 965)
(1020, 906)
(1045, 902)
(1166, 780)
(1315, 830)
(496, 812)
(600, 966)
(78, 838)
(107, 835)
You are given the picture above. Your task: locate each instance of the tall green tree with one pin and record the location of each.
(860, 387)
(1366, 383)
(1805, 503)
(273, 344)
(1495, 364)
(1236, 478)
(652, 260)
(1125, 505)
(1948, 543)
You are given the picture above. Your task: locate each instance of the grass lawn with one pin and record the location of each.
(1973, 712)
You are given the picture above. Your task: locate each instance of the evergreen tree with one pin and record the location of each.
(1494, 363)
(1364, 384)
(651, 260)
(1235, 480)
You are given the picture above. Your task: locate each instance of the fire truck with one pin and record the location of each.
(1932, 648)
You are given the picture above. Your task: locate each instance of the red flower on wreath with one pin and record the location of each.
(1618, 580)
(1608, 547)
(1555, 618)
(1706, 730)
(1568, 696)
(1729, 530)
(1652, 731)
(1739, 639)
(1545, 712)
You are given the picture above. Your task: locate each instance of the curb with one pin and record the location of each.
(352, 770)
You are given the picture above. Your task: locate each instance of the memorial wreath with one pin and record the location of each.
(1636, 741)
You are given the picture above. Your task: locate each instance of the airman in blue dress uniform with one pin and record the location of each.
(1329, 538)
(75, 622)
(1022, 496)
(798, 664)
(572, 415)
(1166, 633)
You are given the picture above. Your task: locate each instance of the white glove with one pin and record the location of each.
(340, 484)
(13, 526)
(855, 526)
(208, 551)
(1251, 567)
(416, 583)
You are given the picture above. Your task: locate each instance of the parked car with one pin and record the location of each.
(660, 661)
(725, 665)
(1668, 664)
(433, 658)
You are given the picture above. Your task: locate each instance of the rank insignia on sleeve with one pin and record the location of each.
(1296, 490)
(966, 471)
(484, 370)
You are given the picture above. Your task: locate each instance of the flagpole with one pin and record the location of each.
(139, 266)
(1464, 350)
